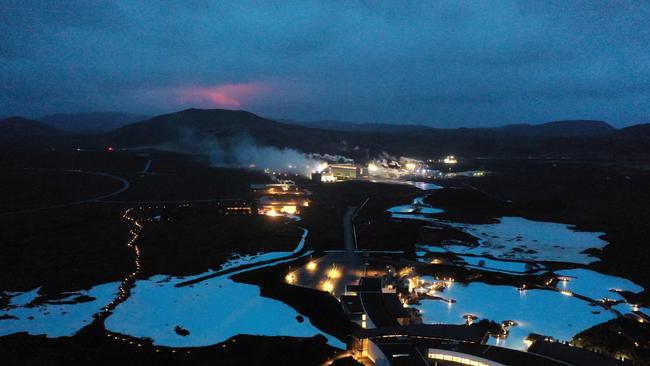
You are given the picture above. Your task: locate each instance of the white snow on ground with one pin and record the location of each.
(22, 298)
(537, 311)
(212, 311)
(514, 237)
(434, 249)
(492, 264)
(424, 185)
(55, 320)
(237, 260)
(550, 241)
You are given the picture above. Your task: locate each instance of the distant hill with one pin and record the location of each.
(189, 130)
(640, 130)
(23, 132)
(195, 125)
(358, 127)
(571, 128)
(19, 126)
(97, 122)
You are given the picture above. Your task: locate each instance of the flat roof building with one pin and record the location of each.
(384, 309)
(571, 355)
(344, 171)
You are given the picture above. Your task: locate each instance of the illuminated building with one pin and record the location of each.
(284, 198)
(450, 159)
(237, 207)
(344, 171)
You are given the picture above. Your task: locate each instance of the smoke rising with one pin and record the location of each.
(242, 152)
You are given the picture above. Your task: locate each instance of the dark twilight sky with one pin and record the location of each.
(442, 63)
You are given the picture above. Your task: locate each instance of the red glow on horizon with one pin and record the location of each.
(226, 95)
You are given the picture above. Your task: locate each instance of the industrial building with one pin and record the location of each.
(284, 198)
(344, 171)
(341, 172)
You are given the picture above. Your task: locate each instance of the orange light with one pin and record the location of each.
(290, 278)
(328, 286)
(334, 272)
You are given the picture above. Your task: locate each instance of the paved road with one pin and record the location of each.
(348, 231)
(125, 186)
(145, 170)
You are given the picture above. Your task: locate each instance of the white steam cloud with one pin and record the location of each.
(243, 152)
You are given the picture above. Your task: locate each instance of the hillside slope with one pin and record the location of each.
(97, 122)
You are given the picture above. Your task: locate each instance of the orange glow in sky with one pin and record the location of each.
(225, 95)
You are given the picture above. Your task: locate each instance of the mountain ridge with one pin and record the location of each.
(91, 122)
(195, 130)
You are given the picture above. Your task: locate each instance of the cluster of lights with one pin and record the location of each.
(456, 359)
(290, 208)
(137, 343)
(236, 209)
(450, 159)
(333, 274)
(129, 281)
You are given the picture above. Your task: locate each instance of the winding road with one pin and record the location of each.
(125, 186)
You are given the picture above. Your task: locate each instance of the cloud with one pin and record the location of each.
(445, 63)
